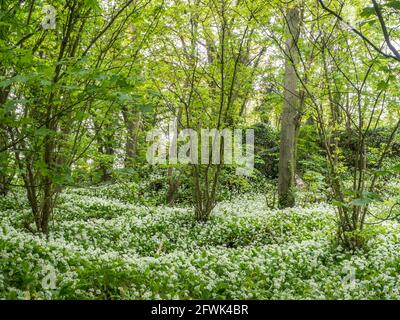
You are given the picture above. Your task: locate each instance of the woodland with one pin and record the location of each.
(86, 214)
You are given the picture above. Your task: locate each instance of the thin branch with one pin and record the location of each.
(359, 33)
(384, 30)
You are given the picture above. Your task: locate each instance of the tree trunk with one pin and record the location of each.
(105, 146)
(132, 125)
(173, 182)
(173, 185)
(286, 182)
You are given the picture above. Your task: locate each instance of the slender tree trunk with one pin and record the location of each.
(286, 182)
(105, 147)
(173, 182)
(132, 125)
(173, 185)
(5, 178)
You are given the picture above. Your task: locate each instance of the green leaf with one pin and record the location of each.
(381, 173)
(42, 132)
(383, 85)
(361, 202)
(367, 12)
(92, 4)
(123, 97)
(145, 107)
(393, 4)
(396, 168)
(337, 203)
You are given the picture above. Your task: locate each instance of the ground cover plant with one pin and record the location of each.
(199, 149)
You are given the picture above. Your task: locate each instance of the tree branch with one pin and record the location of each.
(359, 33)
(384, 30)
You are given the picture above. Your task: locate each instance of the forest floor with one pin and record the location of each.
(101, 247)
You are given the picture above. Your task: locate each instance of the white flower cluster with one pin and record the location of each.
(105, 248)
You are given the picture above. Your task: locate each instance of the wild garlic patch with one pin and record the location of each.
(100, 247)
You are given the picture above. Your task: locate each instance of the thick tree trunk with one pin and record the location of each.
(286, 182)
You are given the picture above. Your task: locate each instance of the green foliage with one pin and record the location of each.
(77, 101)
(310, 154)
(266, 149)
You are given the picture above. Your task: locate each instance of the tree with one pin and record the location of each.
(290, 113)
(53, 87)
(351, 104)
(206, 75)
